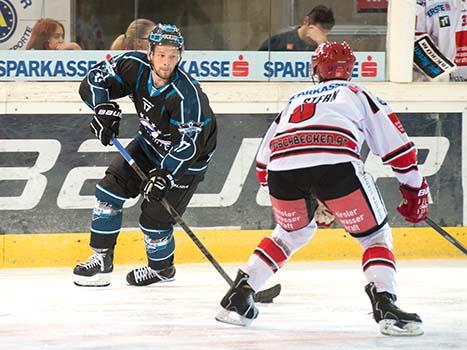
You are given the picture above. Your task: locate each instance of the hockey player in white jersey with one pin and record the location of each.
(445, 22)
(312, 151)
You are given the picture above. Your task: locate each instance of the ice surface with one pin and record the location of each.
(322, 306)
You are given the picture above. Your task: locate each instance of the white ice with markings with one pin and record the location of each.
(322, 306)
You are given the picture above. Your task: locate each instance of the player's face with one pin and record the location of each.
(56, 39)
(164, 60)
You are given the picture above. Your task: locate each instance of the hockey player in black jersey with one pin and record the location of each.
(174, 144)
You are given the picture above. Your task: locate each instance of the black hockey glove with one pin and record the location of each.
(156, 187)
(106, 121)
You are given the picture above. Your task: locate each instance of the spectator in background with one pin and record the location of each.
(446, 24)
(135, 37)
(314, 30)
(49, 34)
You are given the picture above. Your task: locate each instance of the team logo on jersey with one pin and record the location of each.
(190, 128)
(303, 112)
(146, 104)
(444, 21)
(8, 20)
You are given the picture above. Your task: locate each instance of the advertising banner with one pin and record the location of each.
(17, 18)
(202, 65)
(49, 165)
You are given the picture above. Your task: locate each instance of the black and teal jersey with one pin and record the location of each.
(177, 128)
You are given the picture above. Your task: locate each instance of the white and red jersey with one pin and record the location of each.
(328, 124)
(445, 21)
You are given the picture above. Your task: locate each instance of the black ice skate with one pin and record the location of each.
(238, 307)
(96, 271)
(391, 319)
(144, 276)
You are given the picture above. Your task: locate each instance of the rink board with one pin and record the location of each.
(54, 250)
(49, 165)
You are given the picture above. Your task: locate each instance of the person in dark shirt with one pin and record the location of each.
(174, 144)
(314, 30)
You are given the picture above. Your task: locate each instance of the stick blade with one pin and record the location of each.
(267, 296)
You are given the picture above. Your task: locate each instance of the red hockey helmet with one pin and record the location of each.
(333, 60)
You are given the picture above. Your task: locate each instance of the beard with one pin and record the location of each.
(164, 74)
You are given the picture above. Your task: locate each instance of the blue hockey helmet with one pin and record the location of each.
(166, 34)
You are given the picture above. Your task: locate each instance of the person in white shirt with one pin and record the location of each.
(445, 22)
(312, 151)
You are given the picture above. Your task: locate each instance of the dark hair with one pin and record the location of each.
(322, 15)
(41, 33)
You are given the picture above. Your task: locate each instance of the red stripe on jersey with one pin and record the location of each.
(405, 160)
(269, 247)
(405, 170)
(398, 151)
(378, 255)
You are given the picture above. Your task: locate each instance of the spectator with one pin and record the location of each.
(135, 37)
(49, 34)
(445, 23)
(314, 30)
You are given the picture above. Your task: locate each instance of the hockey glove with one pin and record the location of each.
(106, 121)
(323, 216)
(157, 185)
(414, 206)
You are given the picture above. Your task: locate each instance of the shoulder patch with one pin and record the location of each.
(396, 122)
(353, 88)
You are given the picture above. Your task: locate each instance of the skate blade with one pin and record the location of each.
(99, 280)
(394, 328)
(231, 317)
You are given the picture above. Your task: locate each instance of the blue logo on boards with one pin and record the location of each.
(8, 20)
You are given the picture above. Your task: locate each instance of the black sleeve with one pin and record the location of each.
(192, 124)
(106, 81)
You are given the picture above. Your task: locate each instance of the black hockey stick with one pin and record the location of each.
(263, 296)
(446, 235)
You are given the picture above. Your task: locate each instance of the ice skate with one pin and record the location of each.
(238, 307)
(144, 276)
(392, 320)
(95, 272)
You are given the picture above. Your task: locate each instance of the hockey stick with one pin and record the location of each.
(263, 296)
(446, 235)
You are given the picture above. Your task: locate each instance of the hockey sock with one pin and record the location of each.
(266, 260)
(106, 218)
(160, 246)
(379, 267)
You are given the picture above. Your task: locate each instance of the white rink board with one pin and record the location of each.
(322, 306)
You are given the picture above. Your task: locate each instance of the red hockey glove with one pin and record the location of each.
(262, 176)
(323, 216)
(414, 206)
